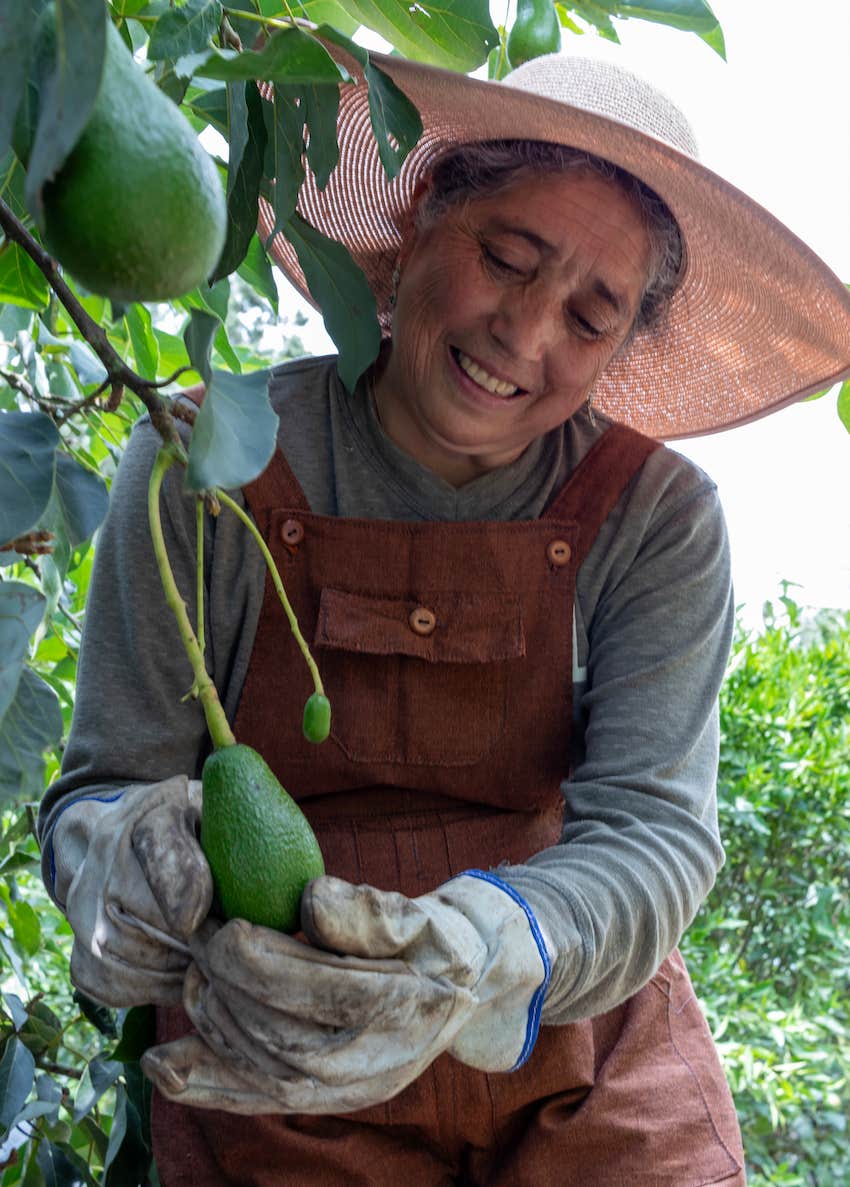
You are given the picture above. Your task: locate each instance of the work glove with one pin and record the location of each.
(386, 985)
(134, 884)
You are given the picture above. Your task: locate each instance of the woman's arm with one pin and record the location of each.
(640, 848)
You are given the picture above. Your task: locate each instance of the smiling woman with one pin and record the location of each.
(522, 610)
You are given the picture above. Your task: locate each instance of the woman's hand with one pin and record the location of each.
(136, 886)
(294, 1027)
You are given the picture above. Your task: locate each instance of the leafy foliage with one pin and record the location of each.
(770, 951)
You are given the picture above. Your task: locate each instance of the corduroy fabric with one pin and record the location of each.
(635, 1096)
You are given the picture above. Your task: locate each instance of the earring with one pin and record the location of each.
(394, 286)
(590, 409)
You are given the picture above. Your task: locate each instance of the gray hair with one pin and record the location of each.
(479, 169)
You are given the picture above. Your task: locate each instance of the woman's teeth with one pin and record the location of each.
(497, 387)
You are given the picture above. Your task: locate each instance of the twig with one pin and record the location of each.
(120, 375)
(36, 543)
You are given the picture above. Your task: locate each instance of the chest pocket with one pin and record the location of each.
(421, 680)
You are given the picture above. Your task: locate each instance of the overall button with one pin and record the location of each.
(558, 552)
(422, 621)
(292, 532)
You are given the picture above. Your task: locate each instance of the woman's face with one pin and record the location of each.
(507, 311)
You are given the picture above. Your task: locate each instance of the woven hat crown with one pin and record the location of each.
(603, 88)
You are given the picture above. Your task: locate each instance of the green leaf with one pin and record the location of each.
(597, 15)
(119, 1128)
(185, 30)
(138, 1032)
(244, 173)
(342, 293)
(395, 121)
(320, 12)
(25, 926)
(289, 55)
(21, 610)
(321, 106)
(28, 443)
(694, 16)
(13, 184)
(225, 350)
(17, 1073)
(81, 499)
(68, 93)
(198, 336)
(716, 41)
(210, 106)
(145, 348)
(98, 1076)
(235, 432)
(284, 149)
(454, 34)
(128, 1156)
(55, 1165)
(21, 281)
(31, 723)
(844, 404)
(16, 26)
(16, 1009)
(256, 269)
(89, 368)
(101, 1017)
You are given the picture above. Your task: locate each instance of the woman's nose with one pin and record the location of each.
(527, 322)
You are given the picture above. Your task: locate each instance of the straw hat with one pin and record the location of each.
(759, 320)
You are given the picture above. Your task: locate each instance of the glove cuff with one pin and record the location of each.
(512, 988)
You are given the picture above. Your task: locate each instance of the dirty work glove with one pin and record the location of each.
(134, 884)
(290, 1027)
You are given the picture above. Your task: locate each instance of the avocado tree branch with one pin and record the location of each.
(119, 375)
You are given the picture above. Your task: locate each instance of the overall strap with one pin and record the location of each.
(595, 487)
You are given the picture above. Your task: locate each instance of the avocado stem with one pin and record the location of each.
(199, 574)
(278, 584)
(217, 724)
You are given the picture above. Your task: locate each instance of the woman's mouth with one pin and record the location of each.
(490, 383)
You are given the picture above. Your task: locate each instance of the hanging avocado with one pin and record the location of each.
(137, 211)
(535, 31)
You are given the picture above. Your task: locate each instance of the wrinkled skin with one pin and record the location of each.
(539, 285)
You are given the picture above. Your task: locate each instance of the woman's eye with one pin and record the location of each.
(497, 263)
(588, 329)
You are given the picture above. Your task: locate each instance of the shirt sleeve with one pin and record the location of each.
(640, 848)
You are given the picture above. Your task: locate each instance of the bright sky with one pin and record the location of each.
(774, 120)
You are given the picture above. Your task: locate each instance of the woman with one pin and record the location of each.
(504, 588)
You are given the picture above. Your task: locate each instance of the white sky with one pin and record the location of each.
(774, 120)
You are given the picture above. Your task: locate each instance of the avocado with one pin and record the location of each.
(535, 31)
(137, 211)
(261, 849)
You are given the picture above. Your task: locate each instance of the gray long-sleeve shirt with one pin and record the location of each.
(653, 622)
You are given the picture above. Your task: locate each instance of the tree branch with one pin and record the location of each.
(119, 374)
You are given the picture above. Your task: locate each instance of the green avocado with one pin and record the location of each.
(137, 211)
(261, 849)
(535, 31)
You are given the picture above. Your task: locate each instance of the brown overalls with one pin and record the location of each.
(446, 652)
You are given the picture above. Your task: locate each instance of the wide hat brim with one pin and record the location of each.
(758, 322)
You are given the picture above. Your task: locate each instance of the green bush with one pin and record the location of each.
(770, 951)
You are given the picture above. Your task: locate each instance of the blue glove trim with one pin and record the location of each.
(51, 860)
(536, 1004)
